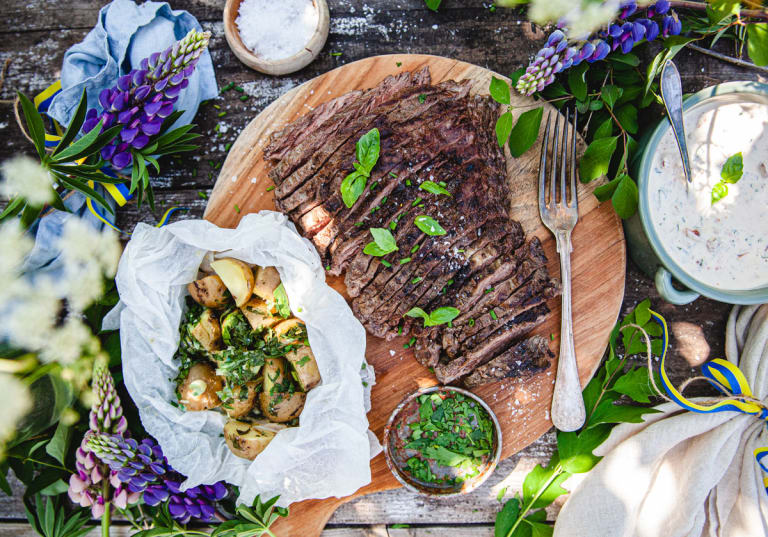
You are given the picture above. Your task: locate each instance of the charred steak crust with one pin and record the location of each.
(483, 265)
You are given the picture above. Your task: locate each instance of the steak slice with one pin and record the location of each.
(525, 359)
(489, 347)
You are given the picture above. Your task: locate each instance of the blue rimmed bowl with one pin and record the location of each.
(646, 246)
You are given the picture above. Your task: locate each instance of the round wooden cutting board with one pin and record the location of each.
(598, 265)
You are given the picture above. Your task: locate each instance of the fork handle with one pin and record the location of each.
(568, 412)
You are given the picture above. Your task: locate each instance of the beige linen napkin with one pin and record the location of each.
(680, 473)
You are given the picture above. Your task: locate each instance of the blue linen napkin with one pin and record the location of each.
(125, 34)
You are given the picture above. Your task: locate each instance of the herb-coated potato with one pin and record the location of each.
(207, 331)
(243, 400)
(246, 441)
(198, 391)
(234, 328)
(282, 407)
(275, 375)
(208, 291)
(258, 314)
(304, 366)
(267, 280)
(282, 330)
(237, 276)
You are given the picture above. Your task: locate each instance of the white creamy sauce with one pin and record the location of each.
(725, 244)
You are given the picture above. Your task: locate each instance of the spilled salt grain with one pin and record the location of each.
(277, 30)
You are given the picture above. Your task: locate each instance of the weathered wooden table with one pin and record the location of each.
(34, 34)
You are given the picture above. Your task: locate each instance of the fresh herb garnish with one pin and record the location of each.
(383, 242)
(439, 316)
(281, 302)
(429, 225)
(367, 155)
(732, 171)
(417, 279)
(434, 188)
(422, 98)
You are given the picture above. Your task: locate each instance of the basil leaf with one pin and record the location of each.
(443, 315)
(352, 187)
(719, 191)
(418, 313)
(383, 239)
(597, 158)
(281, 302)
(757, 43)
(610, 94)
(499, 91)
(625, 197)
(373, 249)
(733, 168)
(367, 149)
(429, 225)
(434, 188)
(504, 127)
(525, 131)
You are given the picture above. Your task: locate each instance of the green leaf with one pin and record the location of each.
(74, 125)
(625, 197)
(757, 43)
(604, 130)
(597, 158)
(384, 239)
(419, 313)
(525, 131)
(12, 209)
(733, 168)
(429, 225)
(433, 4)
(636, 385)
(576, 81)
(539, 529)
(59, 444)
(610, 94)
(719, 191)
(627, 59)
(627, 116)
(281, 301)
(506, 518)
(607, 412)
(54, 489)
(352, 188)
(719, 10)
(367, 149)
(642, 312)
(499, 496)
(499, 90)
(535, 481)
(34, 122)
(503, 127)
(84, 189)
(50, 395)
(434, 188)
(515, 76)
(373, 249)
(604, 192)
(443, 315)
(83, 143)
(576, 449)
(653, 69)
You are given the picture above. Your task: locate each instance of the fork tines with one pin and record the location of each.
(563, 157)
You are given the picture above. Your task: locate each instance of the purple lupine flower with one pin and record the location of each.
(558, 55)
(142, 468)
(86, 484)
(142, 99)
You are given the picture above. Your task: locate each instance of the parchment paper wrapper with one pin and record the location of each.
(680, 473)
(328, 454)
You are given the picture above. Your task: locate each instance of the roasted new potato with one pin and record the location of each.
(198, 391)
(235, 329)
(246, 440)
(243, 399)
(207, 331)
(208, 291)
(267, 280)
(259, 314)
(282, 407)
(304, 366)
(275, 375)
(286, 330)
(237, 277)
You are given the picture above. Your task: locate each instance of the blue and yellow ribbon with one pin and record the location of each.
(119, 192)
(727, 378)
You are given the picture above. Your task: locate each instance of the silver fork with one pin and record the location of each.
(560, 216)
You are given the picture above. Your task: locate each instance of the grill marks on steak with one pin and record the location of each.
(482, 265)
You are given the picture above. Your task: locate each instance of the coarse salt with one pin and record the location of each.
(277, 30)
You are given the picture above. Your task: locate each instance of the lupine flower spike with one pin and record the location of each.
(557, 55)
(142, 468)
(144, 98)
(86, 485)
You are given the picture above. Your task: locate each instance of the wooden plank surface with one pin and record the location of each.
(36, 33)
